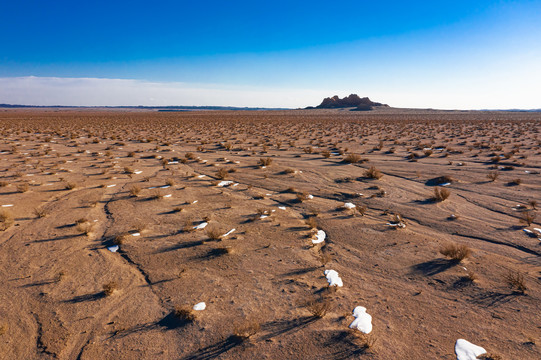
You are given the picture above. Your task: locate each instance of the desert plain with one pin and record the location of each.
(115, 224)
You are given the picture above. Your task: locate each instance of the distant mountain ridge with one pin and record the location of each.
(352, 100)
(158, 108)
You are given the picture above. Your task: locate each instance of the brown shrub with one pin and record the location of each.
(440, 194)
(71, 186)
(352, 158)
(6, 219)
(515, 280)
(41, 213)
(22, 188)
(184, 313)
(222, 174)
(265, 161)
(85, 228)
(311, 222)
(245, 330)
(214, 233)
(373, 173)
(527, 217)
(109, 288)
(318, 307)
(493, 175)
(455, 252)
(135, 190)
(302, 196)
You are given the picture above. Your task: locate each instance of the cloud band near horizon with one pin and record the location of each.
(50, 91)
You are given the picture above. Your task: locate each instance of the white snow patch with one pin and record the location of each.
(348, 205)
(228, 233)
(7, 205)
(445, 184)
(465, 350)
(363, 320)
(165, 186)
(135, 234)
(310, 197)
(195, 201)
(400, 225)
(112, 185)
(113, 248)
(167, 196)
(224, 183)
(281, 207)
(200, 306)
(320, 237)
(201, 226)
(333, 278)
(137, 172)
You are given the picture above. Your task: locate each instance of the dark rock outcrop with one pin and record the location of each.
(353, 100)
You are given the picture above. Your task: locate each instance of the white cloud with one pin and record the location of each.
(513, 88)
(114, 92)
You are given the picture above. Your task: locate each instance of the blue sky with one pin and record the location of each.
(440, 54)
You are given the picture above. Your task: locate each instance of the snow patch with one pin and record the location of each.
(228, 233)
(224, 183)
(113, 248)
(363, 320)
(320, 237)
(465, 350)
(333, 278)
(200, 306)
(201, 226)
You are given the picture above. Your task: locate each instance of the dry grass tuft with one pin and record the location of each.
(515, 279)
(135, 190)
(184, 313)
(22, 188)
(352, 158)
(493, 175)
(109, 288)
(215, 233)
(247, 329)
(527, 217)
(440, 194)
(6, 219)
(373, 173)
(265, 161)
(515, 182)
(41, 212)
(85, 228)
(455, 252)
(120, 239)
(222, 174)
(311, 222)
(318, 307)
(324, 258)
(302, 196)
(3, 329)
(71, 186)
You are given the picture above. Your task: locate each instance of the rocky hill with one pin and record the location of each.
(352, 100)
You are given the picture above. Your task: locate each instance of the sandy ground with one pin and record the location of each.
(74, 183)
